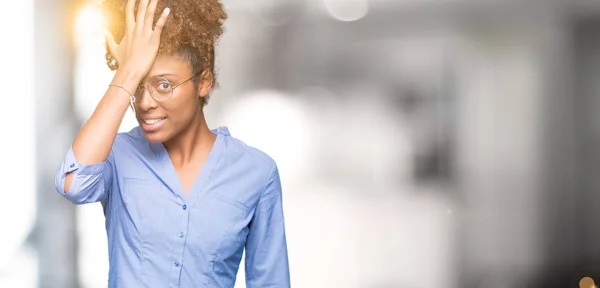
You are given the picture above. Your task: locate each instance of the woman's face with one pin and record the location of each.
(162, 120)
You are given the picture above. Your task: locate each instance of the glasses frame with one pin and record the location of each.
(151, 91)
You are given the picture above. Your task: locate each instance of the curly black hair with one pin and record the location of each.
(191, 31)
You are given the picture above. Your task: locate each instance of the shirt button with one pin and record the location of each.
(184, 207)
(177, 264)
(180, 234)
(72, 165)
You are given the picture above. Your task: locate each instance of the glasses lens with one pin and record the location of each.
(161, 89)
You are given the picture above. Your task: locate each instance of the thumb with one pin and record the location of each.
(110, 43)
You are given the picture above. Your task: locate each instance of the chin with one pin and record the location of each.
(155, 137)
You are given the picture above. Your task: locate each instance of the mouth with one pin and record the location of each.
(152, 124)
(154, 121)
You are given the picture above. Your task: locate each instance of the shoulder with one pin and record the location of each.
(253, 156)
(247, 169)
(129, 139)
(251, 159)
(131, 143)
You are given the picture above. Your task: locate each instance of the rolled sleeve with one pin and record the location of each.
(90, 183)
(266, 249)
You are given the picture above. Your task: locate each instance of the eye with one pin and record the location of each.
(163, 86)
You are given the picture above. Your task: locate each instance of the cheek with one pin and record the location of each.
(182, 110)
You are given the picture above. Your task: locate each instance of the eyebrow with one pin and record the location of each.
(163, 75)
(158, 75)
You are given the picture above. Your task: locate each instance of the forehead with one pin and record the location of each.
(168, 64)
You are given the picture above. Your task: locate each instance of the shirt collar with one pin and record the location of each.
(222, 130)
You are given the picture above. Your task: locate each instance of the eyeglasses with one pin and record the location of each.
(160, 88)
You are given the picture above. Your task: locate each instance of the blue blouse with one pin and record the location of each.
(159, 237)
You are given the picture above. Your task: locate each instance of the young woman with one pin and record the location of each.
(181, 202)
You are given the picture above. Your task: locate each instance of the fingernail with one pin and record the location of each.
(167, 10)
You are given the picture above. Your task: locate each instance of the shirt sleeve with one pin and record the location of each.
(91, 183)
(266, 249)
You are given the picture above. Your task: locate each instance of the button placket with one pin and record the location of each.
(179, 245)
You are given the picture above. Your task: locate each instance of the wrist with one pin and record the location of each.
(127, 77)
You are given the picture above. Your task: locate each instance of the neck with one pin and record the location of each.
(192, 143)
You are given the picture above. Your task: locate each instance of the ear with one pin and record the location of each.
(205, 84)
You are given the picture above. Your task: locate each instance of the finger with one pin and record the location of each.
(141, 13)
(110, 42)
(150, 13)
(129, 18)
(161, 22)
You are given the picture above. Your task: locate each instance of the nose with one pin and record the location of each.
(146, 102)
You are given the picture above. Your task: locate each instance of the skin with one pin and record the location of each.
(184, 134)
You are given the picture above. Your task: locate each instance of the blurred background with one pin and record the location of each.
(421, 143)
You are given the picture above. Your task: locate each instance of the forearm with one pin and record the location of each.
(96, 137)
(94, 141)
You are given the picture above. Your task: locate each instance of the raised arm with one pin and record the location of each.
(87, 160)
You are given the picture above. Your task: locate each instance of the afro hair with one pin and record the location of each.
(191, 31)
